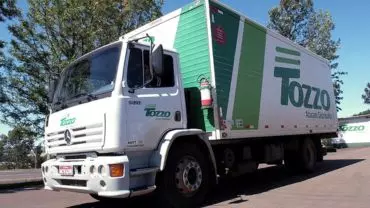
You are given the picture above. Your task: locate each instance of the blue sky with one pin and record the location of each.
(351, 20)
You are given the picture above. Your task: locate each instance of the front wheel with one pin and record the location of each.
(185, 180)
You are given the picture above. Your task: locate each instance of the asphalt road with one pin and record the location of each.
(15, 175)
(341, 181)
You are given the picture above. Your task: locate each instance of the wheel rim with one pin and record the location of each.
(188, 175)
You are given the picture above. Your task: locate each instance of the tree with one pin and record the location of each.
(366, 112)
(290, 19)
(8, 10)
(40, 158)
(366, 95)
(16, 146)
(298, 21)
(49, 37)
(2, 137)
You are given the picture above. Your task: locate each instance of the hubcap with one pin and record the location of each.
(188, 176)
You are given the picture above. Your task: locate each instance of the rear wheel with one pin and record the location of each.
(185, 180)
(302, 159)
(308, 155)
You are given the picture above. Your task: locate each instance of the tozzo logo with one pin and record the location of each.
(352, 128)
(150, 111)
(289, 88)
(67, 121)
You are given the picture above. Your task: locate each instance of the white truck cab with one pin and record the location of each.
(110, 110)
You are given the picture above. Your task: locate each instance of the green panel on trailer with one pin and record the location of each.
(225, 26)
(249, 83)
(193, 47)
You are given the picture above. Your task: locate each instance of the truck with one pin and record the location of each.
(199, 94)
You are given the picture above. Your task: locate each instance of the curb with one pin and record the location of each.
(18, 170)
(11, 184)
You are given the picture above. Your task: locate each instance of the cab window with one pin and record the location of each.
(138, 72)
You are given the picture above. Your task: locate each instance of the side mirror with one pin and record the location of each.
(157, 60)
(51, 90)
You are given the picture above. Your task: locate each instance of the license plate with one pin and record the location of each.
(66, 170)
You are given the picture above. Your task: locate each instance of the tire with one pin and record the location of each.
(303, 160)
(185, 180)
(308, 156)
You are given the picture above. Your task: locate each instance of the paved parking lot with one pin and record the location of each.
(342, 180)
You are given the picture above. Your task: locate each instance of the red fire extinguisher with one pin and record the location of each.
(205, 93)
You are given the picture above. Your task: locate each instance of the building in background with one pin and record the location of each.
(353, 132)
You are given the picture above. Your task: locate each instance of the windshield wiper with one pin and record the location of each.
(61, 102)
(89, 96)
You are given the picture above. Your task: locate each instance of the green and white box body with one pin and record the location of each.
(262, 83)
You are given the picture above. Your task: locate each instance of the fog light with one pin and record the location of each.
(102, 183)
(44, 180)
(116, 170)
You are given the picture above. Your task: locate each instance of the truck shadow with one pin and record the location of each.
(11, 189)
(268, 178)
(263, 180)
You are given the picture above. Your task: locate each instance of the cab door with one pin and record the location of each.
(152, 108)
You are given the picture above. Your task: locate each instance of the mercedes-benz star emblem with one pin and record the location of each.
(67, 136)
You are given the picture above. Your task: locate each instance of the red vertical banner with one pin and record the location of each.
(219, 35)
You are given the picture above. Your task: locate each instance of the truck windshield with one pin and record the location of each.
(90, 77)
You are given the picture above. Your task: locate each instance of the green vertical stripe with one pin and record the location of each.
(287, 60)
(224, 52)
(192, 44)
(249, 81)
(288, 51)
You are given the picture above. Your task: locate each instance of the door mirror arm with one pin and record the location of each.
(155, 61)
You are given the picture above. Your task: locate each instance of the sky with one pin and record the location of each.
(351, 20)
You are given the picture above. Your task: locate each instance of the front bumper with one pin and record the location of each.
(91, 175)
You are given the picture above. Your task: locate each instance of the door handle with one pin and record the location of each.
(177, 116)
